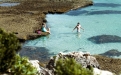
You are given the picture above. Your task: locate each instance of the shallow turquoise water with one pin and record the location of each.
(104, 17)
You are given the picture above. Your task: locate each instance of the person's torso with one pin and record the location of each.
(78, 27)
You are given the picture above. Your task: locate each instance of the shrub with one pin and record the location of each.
(69, 66)
(9, 45)
(23, 67)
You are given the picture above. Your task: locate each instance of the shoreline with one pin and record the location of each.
(24, 19)
(27, 17)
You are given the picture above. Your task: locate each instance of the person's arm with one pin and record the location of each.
(74, 28)
(82, 28)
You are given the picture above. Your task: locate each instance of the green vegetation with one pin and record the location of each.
(9, 60)
(69, 66)
(9, 45)
(17, 65)
(23, 67)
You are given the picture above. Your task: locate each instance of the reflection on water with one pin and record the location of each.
(78, 35)
(41, 42)
(44, 39)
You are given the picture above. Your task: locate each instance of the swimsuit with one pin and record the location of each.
(44, 29)
(78, 28)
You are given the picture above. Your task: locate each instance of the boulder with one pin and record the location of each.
(40, 70)
(97, 71)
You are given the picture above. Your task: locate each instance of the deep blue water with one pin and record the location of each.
(102, 18)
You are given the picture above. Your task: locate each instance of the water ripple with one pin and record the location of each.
(113, 5)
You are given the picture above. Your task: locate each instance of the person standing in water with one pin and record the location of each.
(78, 27)
(44, 29)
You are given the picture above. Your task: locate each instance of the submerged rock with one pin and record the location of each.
(38, 53)
(105, 39)
(112, 52)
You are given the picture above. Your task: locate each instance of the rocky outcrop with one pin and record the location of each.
(85, 59)
(40, 70)
(97, 71)
(111, 53)
(105, 39)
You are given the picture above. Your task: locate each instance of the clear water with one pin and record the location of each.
(3, 3)
(8, 4)
(104, 17)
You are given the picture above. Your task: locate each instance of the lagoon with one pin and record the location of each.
(104, 17)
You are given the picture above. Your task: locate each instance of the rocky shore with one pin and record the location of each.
(85, 59)
(43, 56)
(28, 16)
(108, 63)
(25, 18)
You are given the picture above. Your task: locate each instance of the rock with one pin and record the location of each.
(97, 71)
(105, 39)
(112, 52)
(41, 70)
(85, 59)
(35, 63)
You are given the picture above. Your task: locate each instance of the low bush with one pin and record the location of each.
(9, 45)
(23, 67)
(69, 66)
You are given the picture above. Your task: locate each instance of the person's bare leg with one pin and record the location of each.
(48, 30)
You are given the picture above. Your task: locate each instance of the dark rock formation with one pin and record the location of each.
(105, 39)
(112, 52)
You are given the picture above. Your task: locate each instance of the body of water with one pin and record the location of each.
(104, 17)
(8, 4)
